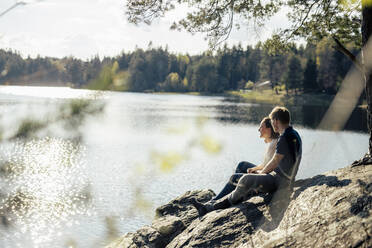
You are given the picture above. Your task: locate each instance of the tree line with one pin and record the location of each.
(305, 68)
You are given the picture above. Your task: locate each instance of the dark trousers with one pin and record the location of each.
(258, 183)
(240, 171)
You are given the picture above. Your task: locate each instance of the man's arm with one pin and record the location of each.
(274, 162)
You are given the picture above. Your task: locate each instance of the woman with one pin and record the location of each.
(271, 138)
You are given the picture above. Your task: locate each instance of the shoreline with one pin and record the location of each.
(267, 96)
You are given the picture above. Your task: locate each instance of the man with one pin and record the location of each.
(278, 173)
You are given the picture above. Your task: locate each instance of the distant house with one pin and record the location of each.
(263, 85)
(256, 86)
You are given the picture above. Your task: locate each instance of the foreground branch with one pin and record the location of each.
(351, 56)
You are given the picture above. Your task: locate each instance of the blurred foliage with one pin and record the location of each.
(169, 160)
(179, 129)
(28, 127)
(365, 2)
(210, 144)
(110, 78)
(71, 244)
(166, 162)
(112, 229)
(76, 111)
(71, 115)
(141, 203)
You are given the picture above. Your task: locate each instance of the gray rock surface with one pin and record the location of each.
(329, 210)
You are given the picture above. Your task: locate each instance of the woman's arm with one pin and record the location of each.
(270, 152)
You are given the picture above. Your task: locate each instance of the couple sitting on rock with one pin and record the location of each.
(278, 169)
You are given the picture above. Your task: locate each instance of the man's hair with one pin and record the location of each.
(281, 114)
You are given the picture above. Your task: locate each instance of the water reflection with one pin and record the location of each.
(308, 116)
(44, 185)
(229, 110)
(55, 190)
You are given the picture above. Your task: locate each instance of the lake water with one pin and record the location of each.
(142, 151)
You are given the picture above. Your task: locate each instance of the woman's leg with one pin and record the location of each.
(243, 167)
(230, 186)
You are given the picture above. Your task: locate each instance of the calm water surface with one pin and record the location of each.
(82, 194)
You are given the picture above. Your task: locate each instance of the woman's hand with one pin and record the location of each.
(253, 170)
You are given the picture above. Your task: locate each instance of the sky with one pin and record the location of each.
(85, 28)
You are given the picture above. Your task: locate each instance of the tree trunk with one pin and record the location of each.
(366, 36)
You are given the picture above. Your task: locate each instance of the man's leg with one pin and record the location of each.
(249, 182)
(240, 170)
(229, 187)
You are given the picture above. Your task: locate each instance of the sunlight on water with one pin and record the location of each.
(48, 92)
(46, 186)
(49, 197)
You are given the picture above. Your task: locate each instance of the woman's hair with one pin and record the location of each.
(267, 123)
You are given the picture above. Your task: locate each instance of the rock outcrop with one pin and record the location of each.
(329, 210)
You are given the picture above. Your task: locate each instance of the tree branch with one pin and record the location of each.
(302, 21)
(12, 7)
(346, 52)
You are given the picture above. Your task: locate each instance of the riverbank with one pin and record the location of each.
(281, 98)
(38, 84)
(267, 97)
(329, 210)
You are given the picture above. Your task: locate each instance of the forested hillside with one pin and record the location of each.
(316, 68)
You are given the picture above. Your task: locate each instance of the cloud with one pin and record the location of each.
(85, 28)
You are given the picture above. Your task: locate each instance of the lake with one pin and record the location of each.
(82, 183)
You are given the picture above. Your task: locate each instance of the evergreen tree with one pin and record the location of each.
(253, 65)
(293, 76)
(205, 77)
(74, 69)
(326, 64)
(310, 76)
(183, 62)
(137, 65)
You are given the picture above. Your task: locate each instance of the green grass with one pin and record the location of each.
(270, 96)
(194, 93)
